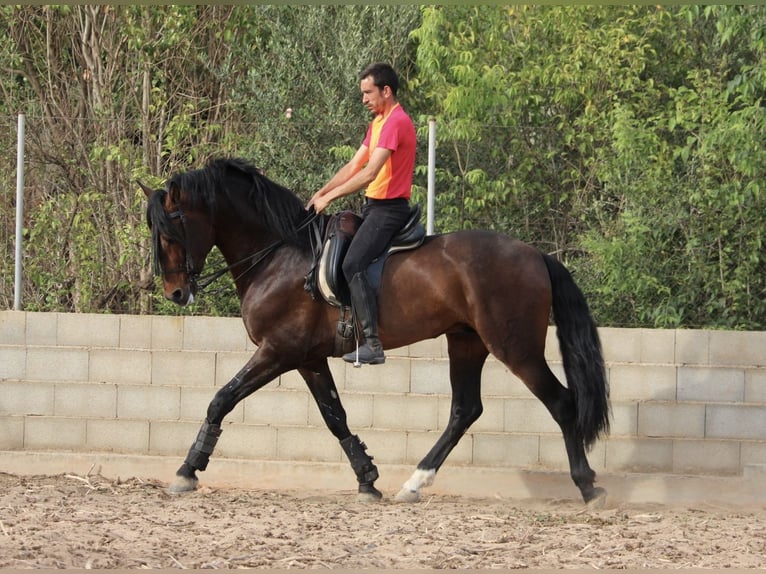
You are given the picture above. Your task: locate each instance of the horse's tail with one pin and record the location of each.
(581, 352)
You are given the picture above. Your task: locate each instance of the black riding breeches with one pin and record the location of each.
(382, 219)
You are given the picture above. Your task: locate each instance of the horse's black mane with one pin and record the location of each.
(269, 204)
(272, 206)
(160, 224)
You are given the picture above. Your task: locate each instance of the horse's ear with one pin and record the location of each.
(147, 190)
(174, 194)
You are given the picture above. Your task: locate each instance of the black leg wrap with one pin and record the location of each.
(199, 453)
(361, 462)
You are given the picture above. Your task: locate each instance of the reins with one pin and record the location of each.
(204, 281)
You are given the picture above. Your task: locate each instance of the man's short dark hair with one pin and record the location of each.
(382, 75)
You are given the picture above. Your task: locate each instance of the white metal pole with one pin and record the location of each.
(19, 212)
(431, 175)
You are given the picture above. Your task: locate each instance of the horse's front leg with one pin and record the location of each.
(259, 370)
(322, 386)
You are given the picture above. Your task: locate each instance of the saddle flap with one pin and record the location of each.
(340, 231)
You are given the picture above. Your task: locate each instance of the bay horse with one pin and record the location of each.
(485, 291)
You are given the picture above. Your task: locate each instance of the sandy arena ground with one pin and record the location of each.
(70, 521)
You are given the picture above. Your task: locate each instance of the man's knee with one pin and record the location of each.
(350, 269)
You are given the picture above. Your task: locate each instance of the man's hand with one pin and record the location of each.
(320, 203)
(312, 201)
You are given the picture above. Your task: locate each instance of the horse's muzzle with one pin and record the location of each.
(181, 296)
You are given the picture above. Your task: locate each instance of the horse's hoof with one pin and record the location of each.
(368, 493)
(407, 495)
(597, 500)
(368, 497)
(183, 484)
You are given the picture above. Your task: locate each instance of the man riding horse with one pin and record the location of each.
(383, 164)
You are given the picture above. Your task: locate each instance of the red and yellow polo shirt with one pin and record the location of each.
(396, 133)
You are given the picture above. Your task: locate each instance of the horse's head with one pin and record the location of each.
(182, 238)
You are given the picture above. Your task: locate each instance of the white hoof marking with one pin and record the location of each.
(407, 495)
(410, 491)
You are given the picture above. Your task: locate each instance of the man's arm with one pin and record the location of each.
(351, 177)
(343, 174)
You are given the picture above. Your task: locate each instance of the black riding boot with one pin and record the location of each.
(365, 304)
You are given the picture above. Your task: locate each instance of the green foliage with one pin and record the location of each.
(116, 94)
(296, 60)
(684, 244)
(627, 140)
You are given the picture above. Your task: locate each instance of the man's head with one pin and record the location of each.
(378, 83)
(382, 75)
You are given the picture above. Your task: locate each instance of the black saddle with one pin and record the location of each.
(330, 281)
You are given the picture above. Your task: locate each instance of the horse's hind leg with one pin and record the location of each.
(561, 404)
(320, 382)
(467, 354)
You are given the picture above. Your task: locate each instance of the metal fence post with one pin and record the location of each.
(19, 213)
(431, 175)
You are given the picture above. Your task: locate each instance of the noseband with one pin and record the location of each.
(189, 263)
(197, 282)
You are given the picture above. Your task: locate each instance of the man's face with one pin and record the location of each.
(373, 97)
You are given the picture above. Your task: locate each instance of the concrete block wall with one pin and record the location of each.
(690, 402)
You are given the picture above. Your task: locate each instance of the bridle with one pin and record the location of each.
(199, 282)
(189, 263)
